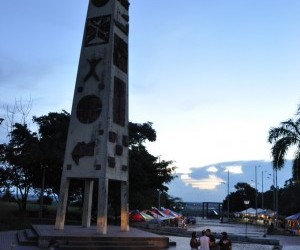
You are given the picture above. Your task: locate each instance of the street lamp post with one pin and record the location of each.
(246, 202)
(276, 191)
(158, 199)
(228, 196)
(256, 192)
(262, 189)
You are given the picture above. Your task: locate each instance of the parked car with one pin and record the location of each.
(191, 220)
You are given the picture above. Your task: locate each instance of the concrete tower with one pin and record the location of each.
(97, 145)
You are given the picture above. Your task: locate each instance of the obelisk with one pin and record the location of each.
(97, 144)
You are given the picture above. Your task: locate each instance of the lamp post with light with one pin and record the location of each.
(228, 196)
(246, 202)
(158, 199)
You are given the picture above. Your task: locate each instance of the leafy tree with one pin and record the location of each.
(28, 157)
(52, 134)
(168, 201)
(284, 137)
(139, 133)
(28, 154)
(287, 205)
(147, 174)
(236, 199)
(20, 159)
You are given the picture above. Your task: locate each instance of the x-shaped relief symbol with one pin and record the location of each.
(92, 72)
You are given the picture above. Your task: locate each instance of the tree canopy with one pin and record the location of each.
(20, 158)
(28, 153)
(236, 199)
(147, 174)
(284, 137)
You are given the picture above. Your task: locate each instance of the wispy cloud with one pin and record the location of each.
(209, 183)
(234, 169)
(212, 169)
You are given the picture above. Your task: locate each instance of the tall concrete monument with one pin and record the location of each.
(97, 145)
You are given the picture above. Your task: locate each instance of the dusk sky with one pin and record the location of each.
(212, 76)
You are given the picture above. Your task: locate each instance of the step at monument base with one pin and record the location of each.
(27, 237)
(78, 237)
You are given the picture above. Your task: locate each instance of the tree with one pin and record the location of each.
(20, 159)
(284, 137)
(287, 205)
(52, 134)
(243, 192)
(147, 173)
(29, 157)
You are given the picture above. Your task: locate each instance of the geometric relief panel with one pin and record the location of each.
(112, 136)
(99, 3)
(120, 56)
(89, 109)
(119, 150)
(125, 141)
(119, 102)
(82, 149)
(92, 72)
(124, 3)
(97, 30)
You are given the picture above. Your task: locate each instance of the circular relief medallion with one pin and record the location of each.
(99, 3)
(89, 109)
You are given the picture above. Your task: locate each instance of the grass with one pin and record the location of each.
(12, 219)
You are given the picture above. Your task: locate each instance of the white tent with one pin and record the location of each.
(249, 211)
(252, 212)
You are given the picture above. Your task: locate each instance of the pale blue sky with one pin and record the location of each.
(213, 76)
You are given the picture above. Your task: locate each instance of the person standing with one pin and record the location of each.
(194, 243)
(212, 239)
(225, 242)
(204, 241)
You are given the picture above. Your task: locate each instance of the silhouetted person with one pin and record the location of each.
(225, 242)
(194, 243)
(212, 239)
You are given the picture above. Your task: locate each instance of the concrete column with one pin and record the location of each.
(62, 204)
(124, 207)
(102, 206)
(87, 203)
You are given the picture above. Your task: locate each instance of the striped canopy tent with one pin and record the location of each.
(293, 217)
(293, 223)
(170, 213)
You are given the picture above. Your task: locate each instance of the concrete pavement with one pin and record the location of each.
(8, 239)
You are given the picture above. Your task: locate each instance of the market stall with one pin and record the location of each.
(293, 223)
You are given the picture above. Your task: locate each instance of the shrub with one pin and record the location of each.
(8, 196)
(47, 200)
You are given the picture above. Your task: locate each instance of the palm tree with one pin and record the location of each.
(284, 137)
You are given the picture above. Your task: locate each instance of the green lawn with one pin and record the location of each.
(12, 219)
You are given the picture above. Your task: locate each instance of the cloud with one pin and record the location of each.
(209, 183)
(234, 169)
(212, 169)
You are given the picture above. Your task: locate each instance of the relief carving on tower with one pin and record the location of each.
(119, 150)
(120, 54)
(99, 3)
(119, 102)
(124, 3)
(121, 21)
(89, 109)
(97, 30)
(125, 140)
(83, 149)
(92, 72)
(111, 162)
(112, 136)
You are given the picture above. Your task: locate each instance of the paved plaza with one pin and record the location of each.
(8, 239)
